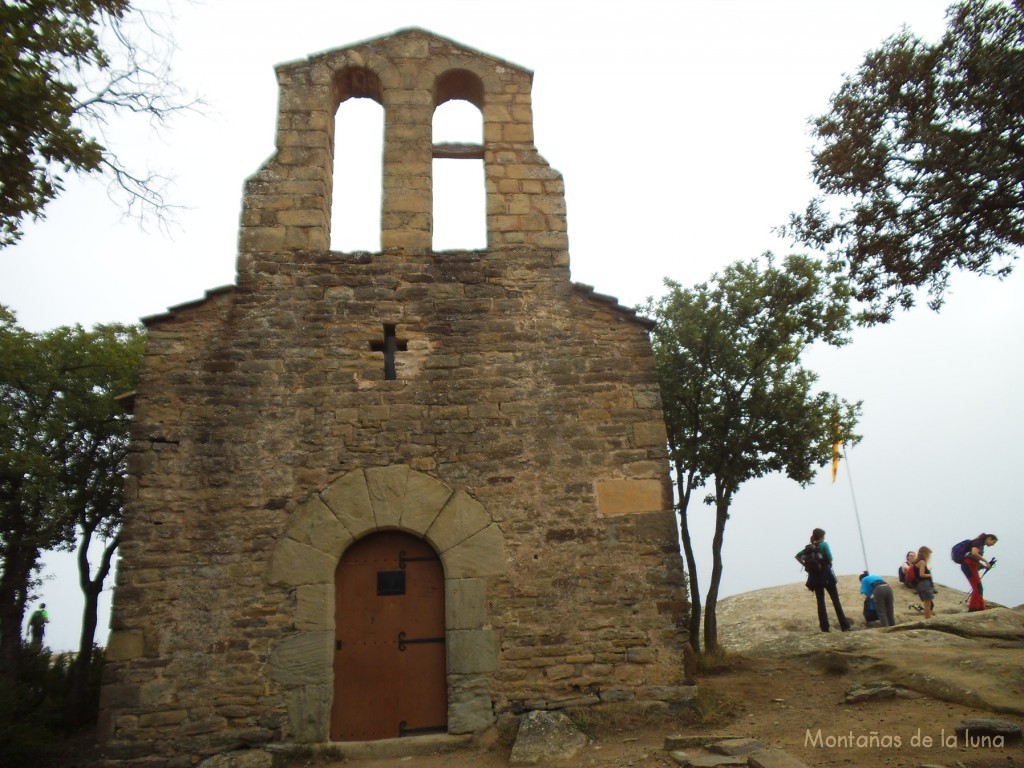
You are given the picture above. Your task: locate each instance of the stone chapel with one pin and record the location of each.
(376, 495)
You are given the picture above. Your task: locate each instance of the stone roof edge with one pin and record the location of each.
(612, 302)
(402, 31)
(172, 311)
(587, 291)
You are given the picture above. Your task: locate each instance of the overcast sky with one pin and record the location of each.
(681, 130)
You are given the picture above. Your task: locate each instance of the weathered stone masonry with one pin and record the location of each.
(522, 438)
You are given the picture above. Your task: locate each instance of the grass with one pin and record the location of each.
(718, 662)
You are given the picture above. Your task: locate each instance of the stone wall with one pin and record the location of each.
(522, 437)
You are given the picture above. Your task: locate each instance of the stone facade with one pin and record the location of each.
(520, 435)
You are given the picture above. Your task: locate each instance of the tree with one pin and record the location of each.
(921, 160)
(63, 447)
(738, 405)
(66, 66)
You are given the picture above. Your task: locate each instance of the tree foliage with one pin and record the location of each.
(738, 405)
(63, 447)
(66, 66)
(921, 161)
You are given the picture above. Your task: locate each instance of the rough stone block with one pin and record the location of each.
(462, 517)
(545, 736)
(647, 433)
(309, 712)
(125, 645)
(304, 658)
(481, 555)
(472, 651)
(386, 486)
(314, 524)
(292, 564)
(314, 608)
(465, 603)
(624, 497)
(424, 498)
(349, 499)
(470, 709)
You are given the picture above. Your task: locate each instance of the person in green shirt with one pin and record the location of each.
(37, 626)
(824, 581)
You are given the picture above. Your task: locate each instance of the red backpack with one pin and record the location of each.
(910, 575)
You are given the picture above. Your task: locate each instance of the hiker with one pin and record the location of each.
(908, 565)
(924, 584)
(880, 593)
(821, 578)
(37, 626)
(973, 559)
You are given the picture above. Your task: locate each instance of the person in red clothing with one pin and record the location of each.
(971, 567)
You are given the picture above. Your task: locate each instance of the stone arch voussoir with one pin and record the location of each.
(361, 502)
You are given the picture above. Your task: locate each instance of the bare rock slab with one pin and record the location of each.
(716, 761)
(983, 727)
(545, 736)
(691, 741)
(773, 758)
(735, 746)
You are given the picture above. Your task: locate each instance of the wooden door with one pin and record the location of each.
(389, 649)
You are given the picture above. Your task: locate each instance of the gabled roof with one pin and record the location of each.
(396, 37)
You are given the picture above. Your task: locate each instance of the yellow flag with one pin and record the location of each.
(836, 446)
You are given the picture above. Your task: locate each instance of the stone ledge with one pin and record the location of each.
(408, 746)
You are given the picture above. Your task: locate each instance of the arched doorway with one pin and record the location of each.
(389, 649)
(355, 507)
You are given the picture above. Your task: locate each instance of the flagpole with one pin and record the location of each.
(860, 530)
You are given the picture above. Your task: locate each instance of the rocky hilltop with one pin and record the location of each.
(973, 659)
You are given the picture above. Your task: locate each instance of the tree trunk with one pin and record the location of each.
(18, 564)
(683, 488)
(79, 706)
(722, 500)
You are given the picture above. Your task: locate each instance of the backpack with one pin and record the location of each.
(812, 560)
(36, 620)
(961, 550)
(870, 612)
(909, 575)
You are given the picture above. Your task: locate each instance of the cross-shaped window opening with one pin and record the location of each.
(389, 346)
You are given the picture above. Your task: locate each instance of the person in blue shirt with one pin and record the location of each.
(874, 587)
(825, 581)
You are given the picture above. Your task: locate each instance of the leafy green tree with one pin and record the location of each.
(738, 405)
(921, 161)
(67, 66)
(63, 447)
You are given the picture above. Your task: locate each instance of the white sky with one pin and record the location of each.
(681, 130)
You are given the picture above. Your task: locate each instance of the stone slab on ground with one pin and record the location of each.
(692, 740)
(735, 746)
(545, 736)
(773, 758)
(986, 727)
(715, 761)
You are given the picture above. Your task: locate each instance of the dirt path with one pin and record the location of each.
(797, 707)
